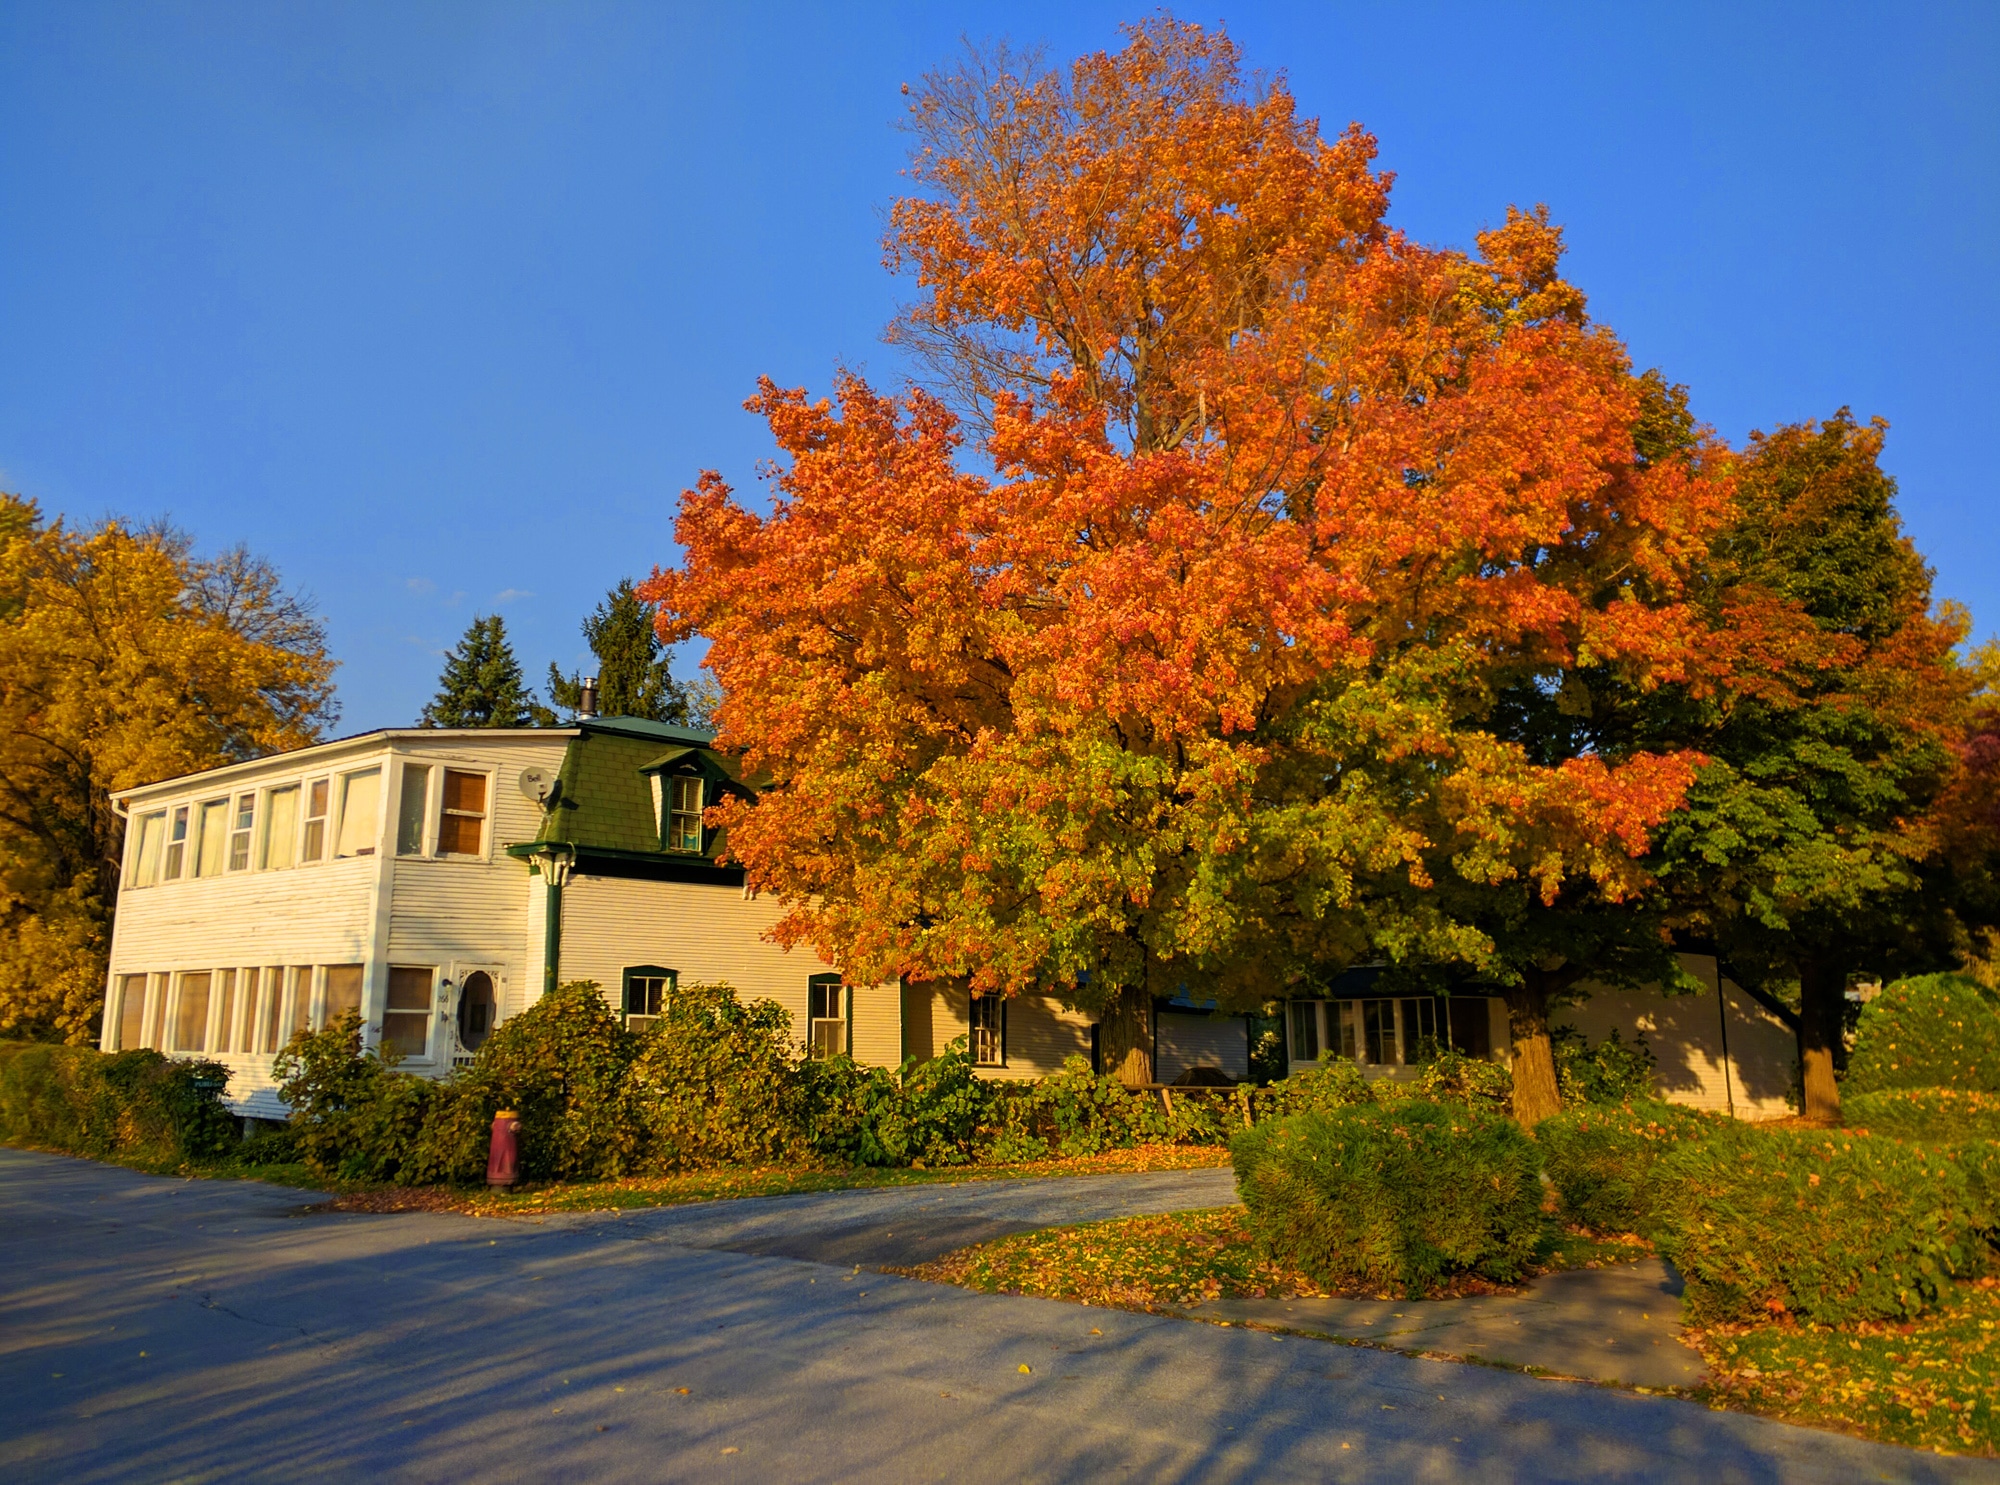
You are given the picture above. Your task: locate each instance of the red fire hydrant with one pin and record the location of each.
(503, 1154)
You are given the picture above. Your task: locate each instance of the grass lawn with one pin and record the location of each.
(1933, 1383)
(1178, 1259)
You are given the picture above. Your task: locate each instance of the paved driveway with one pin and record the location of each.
(911, 1224)
(155, 1329)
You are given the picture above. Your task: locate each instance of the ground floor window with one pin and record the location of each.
(191, 1017)
(826, 1016)
(648, 988)
(987, 1033)
(131, 1012)
(406, 1010)
(1406, 1031)
(271, 1018)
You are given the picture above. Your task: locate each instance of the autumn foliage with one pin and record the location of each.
(1275, 502)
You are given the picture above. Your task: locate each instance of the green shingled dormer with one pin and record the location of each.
(629, 799)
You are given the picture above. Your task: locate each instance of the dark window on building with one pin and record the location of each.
(989, 1031)
(826, 1016)
(683, 814)
(1305, 1031)
(478, 1008)
(406, 1015)
(648, 988)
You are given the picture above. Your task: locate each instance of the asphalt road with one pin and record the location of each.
(190, 1330)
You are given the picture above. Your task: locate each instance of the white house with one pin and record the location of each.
(437, 881)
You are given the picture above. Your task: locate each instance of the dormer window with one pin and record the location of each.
(683, 832)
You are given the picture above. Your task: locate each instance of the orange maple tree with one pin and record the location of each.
(1275, 500)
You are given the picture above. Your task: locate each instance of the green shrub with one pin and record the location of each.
(925, 1113)
(1405, 1194)
(139, 1104)
(1335, 1084)
(1831, 1227)
(1613, 1071)
(1452, 1077)
(1601, 1159)
(717, 1082)
(1931, 1031)
(564, 1065)
(1936, 1114)
(352, 1118)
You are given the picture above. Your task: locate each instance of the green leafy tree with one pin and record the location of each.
(1812, 845)
(481, 685)
(634, 678)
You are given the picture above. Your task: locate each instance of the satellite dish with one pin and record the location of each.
(538, 784)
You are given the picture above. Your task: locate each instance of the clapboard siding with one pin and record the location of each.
(1686, 1035)
(1040, 1032)
(1183, 1041)
(708, 934)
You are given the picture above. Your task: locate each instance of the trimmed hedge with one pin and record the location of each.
(1831, 1227)
(1930, 1031)
(1940, 1115)
(1601, 1159)
(1404, 1194)
(139, 1105)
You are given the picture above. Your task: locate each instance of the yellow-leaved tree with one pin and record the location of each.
(124, 658)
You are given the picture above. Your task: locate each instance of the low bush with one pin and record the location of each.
(1613, 1071)
(1335, 1084)
(1935, 1114)
(352, 1118)
(1601, 1159)
(138, 1105)
(714, 1082)
(1452, 1077)
(564, 1065)
(1077, 1112)
(1405, 1194)
(1830, 1227)
(1930, 1031)
(927, 1113)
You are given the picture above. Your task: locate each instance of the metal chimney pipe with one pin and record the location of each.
(586, 705)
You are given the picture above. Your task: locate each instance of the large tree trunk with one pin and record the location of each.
(1536, 1095)
(1125, 1040)
(1822, 998)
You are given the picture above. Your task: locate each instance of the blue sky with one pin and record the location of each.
(439, 306)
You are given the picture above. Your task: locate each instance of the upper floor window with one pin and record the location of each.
(314, 845)
(150, 837)
(211, 837)
(281, 829)
(239, 832)
(411, 810)
(360, 810)
(177, 835)
(683, 814)
(988, 1031)
(462, 818)
(826, 1020)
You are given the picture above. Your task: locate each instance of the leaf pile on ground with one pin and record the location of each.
(774, 1180)
(1177, 1259)
(1932, 1383)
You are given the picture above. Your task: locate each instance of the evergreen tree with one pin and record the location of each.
(633, 674)
(481, 685)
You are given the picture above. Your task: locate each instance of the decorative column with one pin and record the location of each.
(555, 860)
